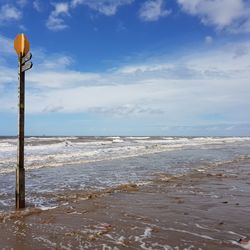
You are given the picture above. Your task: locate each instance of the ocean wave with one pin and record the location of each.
(137, 137)
(118, 140)
(72, 150)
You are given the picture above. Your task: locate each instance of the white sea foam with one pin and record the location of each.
(56, 151)
(29, 139)
(45, 242)
(137, 137)
(147, 232)
(44, 208)
(245, 246)
(113, 137)
(118, 140)
(141, 238)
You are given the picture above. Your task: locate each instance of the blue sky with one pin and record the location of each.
(128, 67)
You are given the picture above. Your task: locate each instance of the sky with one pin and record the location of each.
(128, 67)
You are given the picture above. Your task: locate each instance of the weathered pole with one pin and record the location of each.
(22, 46)
(20, 171)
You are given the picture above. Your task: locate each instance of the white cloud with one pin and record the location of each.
(55, 21)
(57, 79)
(231, 15)
(22, 27)
(37, 4)
(152, 10)
(75, 3)
(136, 69)
(7, 75)
(9, 13)
(209, 40)
(56, 62)
(106, 7)
(61, 8)
(126, 110)
(6, 45)
(22, 3)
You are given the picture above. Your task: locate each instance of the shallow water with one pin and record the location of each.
(55, 165)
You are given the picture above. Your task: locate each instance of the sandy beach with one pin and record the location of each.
(124, 124)
(205, 209)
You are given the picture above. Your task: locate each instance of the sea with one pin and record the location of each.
(61, 165)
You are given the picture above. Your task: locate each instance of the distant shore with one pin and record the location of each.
(206, 209)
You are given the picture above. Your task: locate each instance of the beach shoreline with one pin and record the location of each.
(207, 208)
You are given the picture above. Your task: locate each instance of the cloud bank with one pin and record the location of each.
(204, 88)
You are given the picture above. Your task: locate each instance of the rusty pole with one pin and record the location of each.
(20, 171)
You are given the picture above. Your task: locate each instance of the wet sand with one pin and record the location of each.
(206, 209)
